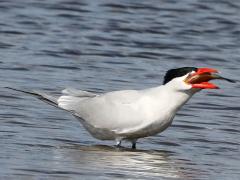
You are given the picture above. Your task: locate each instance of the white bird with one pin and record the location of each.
(133, 114)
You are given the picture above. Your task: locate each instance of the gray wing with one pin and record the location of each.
(114, 111)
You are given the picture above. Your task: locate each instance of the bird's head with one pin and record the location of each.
(191, 78)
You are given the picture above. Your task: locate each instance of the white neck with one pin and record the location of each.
(178, 97)
(171, 97)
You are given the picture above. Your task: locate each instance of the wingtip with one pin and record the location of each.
(14, 89)
(11, 88)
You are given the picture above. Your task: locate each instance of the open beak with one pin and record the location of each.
(201, 78)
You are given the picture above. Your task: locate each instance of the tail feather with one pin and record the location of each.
(68, 102)
(72, 97)
(42, 96)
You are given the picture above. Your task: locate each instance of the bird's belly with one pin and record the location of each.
(149, 130)
(136, 123)
(98, 133)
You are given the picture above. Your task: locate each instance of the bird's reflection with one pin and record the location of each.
(123, 162)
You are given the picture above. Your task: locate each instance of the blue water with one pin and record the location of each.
(105, 45)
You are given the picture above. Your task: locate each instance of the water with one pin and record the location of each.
(108, 45)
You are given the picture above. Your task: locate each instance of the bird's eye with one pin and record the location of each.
(192, 72)
(188, 76)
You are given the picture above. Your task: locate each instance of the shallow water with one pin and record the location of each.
(103, 46)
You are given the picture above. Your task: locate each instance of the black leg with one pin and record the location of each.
(118, 143)
(134, 144)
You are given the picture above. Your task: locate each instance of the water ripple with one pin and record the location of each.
(103, 46)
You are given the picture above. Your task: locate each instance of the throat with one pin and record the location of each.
(177, 99)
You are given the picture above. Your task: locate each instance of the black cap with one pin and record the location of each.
(173, 73)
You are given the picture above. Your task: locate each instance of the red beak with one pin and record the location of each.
(200, 79)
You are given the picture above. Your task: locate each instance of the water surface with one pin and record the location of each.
(103, 46)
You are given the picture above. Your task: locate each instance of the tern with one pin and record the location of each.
(133, 114)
